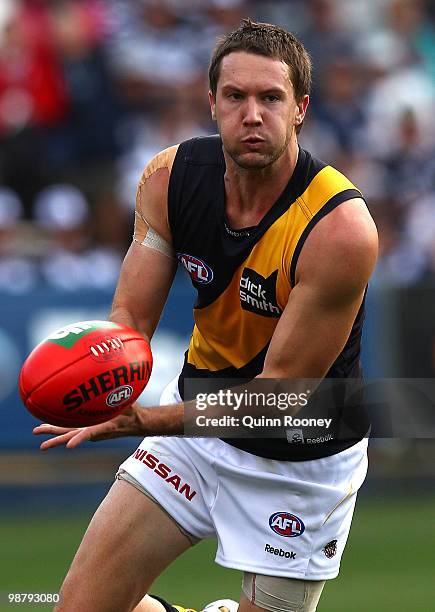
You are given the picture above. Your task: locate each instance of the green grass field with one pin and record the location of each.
(388, 565)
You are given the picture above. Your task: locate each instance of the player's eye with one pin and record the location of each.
(271, 98)
(235, 96)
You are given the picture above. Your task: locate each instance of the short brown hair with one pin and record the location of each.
(271, 41)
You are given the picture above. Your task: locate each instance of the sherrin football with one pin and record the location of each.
(85, 373)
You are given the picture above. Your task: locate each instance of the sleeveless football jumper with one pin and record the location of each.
(243, 277)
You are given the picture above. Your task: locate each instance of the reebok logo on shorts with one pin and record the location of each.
(258, 294)
(279, 552)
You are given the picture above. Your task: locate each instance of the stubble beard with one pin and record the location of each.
(258, 161)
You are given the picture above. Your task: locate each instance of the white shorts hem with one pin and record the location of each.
(274, 571)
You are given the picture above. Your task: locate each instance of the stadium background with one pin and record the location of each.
(89, 91)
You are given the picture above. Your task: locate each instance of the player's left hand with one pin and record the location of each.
(129, 423)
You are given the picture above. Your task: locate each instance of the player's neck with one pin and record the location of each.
(250, 193)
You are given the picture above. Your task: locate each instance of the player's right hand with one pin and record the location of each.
(126, 424)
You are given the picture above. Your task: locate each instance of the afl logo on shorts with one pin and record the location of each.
(286, 524)
(198, 270)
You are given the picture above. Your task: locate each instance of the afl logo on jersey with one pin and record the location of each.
(198, 270)
(286, 524)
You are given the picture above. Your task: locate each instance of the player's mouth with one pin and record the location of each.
(253, 142)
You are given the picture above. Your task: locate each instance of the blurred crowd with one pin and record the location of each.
(90, 90)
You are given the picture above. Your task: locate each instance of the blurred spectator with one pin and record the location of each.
(409, 19)
(18, 273)
(72, 262)
(326, 38)
(79, 33)
(148, 135)
(290, 14)
(410, 163)
(361, 16)
(33, 96)
(397, 82)
(341, 104)
(227, 14)
(32, 89)
(153, 54)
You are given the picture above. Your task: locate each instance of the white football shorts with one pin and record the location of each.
(278, 518)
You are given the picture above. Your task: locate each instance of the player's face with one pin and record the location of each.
(255, 108)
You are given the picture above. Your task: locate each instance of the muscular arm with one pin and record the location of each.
(144, 282)
(143, 287)
(331, 276)
(147, 274)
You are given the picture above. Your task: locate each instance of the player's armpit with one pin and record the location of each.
(331, 277)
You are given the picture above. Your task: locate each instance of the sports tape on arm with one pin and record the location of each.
(153, 240)
(143, 232)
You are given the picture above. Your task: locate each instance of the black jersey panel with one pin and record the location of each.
(281, 450)
(196, 211)
(347, 364)
(247, 372)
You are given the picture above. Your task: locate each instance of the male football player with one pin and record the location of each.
(280, 247)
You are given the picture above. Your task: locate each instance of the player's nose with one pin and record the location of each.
(252, 112)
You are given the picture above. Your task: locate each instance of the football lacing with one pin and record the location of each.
(111, 344)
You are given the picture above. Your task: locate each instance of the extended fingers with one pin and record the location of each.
(46, 428)
(79, 436)
(73, 436)
(103, 431)
(58, 440)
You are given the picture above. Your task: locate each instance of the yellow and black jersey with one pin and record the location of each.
(244, 277)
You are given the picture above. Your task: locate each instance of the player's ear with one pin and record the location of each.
(301, 109)
(212, 101)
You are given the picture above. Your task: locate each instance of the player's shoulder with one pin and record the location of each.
(344, 232)
(152, 195)
(344, 244)
(163, 160)
(350, 223)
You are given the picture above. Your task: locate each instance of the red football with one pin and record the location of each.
(85, 373)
